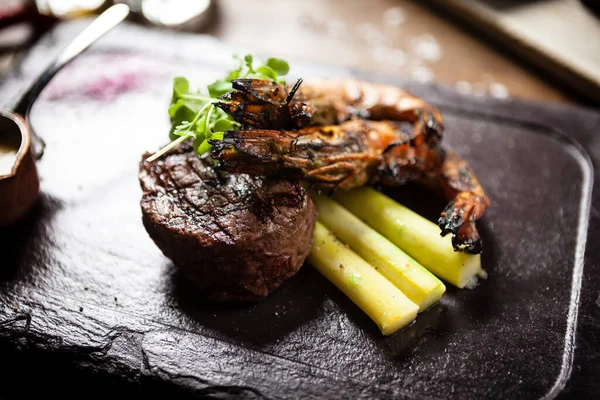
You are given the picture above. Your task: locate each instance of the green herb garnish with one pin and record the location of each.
(195, 116)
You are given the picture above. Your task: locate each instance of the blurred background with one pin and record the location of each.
(546, 50)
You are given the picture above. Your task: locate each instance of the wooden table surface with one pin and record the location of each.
(389, 37)
(393, 37)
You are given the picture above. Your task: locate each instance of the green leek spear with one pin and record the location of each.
(414, 234)
(383, 302)
(417, 283)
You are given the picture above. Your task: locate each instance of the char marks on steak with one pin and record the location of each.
(235, 236)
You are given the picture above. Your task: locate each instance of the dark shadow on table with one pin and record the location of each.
(300, 299)
(296, 302)
(20, 243)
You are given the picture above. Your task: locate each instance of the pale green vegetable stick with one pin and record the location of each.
(414, 234)
(383, 302)
(417, 283)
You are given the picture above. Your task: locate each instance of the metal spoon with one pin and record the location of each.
(19, 146)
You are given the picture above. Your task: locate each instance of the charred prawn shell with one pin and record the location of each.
(260, 104)
(341, 135)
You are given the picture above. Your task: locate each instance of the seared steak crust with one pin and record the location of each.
(236, 237)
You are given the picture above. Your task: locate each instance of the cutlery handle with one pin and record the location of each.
(98, 28)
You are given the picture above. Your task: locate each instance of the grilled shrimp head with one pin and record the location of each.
(262, 104)
(265, 104)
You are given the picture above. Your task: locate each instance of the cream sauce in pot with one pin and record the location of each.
(8, 157)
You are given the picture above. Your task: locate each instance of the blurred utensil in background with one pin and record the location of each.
(98, 28)
(22, 22)
(187, 15)
(70, 8)
(19, 146)
(184, 15)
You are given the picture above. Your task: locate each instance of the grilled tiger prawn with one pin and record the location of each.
(348, 134)
(268, 105)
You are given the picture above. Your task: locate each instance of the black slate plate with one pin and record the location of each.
(87, 297)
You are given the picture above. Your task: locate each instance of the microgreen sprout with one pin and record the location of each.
(195, 116)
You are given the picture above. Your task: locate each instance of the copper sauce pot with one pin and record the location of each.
(20, 148)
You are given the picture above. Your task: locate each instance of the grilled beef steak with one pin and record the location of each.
(237, 237)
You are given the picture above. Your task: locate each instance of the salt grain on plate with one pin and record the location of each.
(397, 57)
(337, 28)
(427, 47)
(388, 56)
(463, 87)
(394, 17)
(369, 32)
(498, 90)
(380, 54)
(421, 74)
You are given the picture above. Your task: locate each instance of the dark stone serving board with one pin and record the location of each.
(88, 304)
